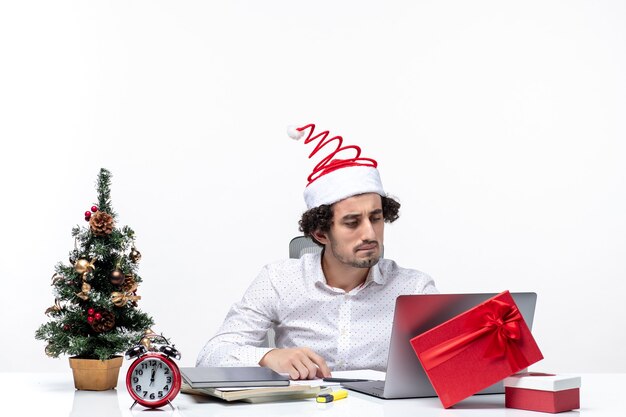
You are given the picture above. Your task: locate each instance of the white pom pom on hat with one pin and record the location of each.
(294, 133)
(333, 178)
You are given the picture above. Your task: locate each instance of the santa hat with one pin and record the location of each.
(334, 179)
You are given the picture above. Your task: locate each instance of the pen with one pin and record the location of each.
(333, 396)
(344, 380)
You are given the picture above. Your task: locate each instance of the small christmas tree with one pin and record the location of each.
(95, 314)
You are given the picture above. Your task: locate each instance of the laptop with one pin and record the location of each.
(413, 315)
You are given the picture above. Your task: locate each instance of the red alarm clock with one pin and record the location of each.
(153, 379)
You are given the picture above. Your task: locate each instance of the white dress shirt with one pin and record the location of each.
(350, 330)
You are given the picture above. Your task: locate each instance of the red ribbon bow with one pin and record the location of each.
(495, 319)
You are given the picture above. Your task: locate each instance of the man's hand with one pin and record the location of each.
(299, 363)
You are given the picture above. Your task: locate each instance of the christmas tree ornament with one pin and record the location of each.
(117, 277)
(120, 299)
(146, 342)
(130, 284)
(83, 265)
(97, 316)
(84, 291)
(74, 254)
(135, 255)
(88, 213)
(101, 224)
(90, 319)
(91, 311)
(67, 327)
(56, 307)
(49, 351)
(57, 278)
(106, 322)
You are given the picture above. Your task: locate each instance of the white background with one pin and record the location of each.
(498, 124)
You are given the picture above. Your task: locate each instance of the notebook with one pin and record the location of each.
(414, 314)
(242, 376)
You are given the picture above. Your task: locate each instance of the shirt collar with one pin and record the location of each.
(375, 275)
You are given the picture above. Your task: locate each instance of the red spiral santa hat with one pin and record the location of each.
(336, 176)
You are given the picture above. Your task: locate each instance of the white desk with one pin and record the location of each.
(53, 394)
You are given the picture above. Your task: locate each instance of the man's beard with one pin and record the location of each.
(355, 263)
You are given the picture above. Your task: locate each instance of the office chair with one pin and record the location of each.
(300, 245)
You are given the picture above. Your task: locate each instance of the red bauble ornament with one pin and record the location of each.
(94, 208)
(87, 214)
(98, 316)
(66, 327)
(87, 218)
(90, 319)
(91, 311)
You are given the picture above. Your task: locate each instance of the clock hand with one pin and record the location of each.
(152, 376)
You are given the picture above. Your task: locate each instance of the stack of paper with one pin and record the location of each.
(259, 394)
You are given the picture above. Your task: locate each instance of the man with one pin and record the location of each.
(332, 310)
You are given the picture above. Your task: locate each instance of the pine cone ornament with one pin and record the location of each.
(106, 322)
(129, 283)
(101, 224)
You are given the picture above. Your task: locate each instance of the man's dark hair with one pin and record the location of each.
(320, 218)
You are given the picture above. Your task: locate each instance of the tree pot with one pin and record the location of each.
(94, 374)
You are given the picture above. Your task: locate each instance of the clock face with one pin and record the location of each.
(153, 380)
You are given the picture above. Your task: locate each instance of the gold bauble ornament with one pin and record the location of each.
(48, 350)
(135, 255)
(83, 265)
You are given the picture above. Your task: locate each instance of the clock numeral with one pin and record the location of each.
(144, 365)
(135, 379)
(138, 388)
(138, 371)
(160, 394)
(166, 388)
(152, 396)
(167, 371)
(145, 393)
(152, 362)
(168, 380)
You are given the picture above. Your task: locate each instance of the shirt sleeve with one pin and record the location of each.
(242, 338)
(425, 285)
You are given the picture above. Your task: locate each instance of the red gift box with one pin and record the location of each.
(476, 349)
(548, 393)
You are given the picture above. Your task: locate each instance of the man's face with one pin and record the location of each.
(357, 230)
